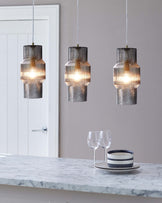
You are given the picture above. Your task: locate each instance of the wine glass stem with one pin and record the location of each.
(94, 157)
(105, 155)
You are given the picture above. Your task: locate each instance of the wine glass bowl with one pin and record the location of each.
(105, 141)
(93, 141)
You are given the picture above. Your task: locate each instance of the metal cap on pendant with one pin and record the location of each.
(77, 74)
(126, 76)
(32, 71)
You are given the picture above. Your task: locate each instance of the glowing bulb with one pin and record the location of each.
(77, 76)
(126, 78)
(32, 74)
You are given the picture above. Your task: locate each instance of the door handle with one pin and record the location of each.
(43, 130)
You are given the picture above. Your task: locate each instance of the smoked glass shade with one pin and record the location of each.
(126, 76)
(32, 71)
(77, 74)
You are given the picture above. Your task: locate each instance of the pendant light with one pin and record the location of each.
(32, 68)
(126, 72)
(77, 70)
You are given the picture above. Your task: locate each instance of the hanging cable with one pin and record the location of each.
(33, 24)
(77, 24)
(126, 18)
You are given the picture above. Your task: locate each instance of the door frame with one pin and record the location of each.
(50, 12)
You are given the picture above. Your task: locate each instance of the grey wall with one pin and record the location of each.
(102, 29)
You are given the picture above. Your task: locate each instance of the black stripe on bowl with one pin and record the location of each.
(120, 150)
(120, 159)
(120, 165)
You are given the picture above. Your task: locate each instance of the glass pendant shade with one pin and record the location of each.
(32, 71)
(77, 74)
(126, 76)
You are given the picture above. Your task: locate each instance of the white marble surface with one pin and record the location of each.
(78, 175)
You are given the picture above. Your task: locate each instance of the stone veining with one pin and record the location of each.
(79, 175)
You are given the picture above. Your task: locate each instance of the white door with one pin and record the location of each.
(26, 123)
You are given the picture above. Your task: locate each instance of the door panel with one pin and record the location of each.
(20, 116)
(12, 93)
(38, 108)
(3, 93)
(23, 104)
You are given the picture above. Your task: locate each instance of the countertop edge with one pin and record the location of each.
(81, 188)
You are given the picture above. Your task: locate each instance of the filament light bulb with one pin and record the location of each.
(32, 74)
(126, 78)
(77, 76)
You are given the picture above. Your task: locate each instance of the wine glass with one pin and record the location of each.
(93, 142)
(105, 141)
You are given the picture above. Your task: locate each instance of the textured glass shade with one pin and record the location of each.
(126, 76)
(77, 74)
(32, 71)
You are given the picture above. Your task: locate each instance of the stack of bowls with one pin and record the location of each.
(120, 158)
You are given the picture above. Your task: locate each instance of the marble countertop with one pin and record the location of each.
(79, 175)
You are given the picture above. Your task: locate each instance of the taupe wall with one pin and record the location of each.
(102, 29)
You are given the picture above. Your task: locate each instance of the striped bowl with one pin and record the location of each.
(120, 158)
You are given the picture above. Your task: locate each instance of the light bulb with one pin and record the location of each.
(32, 74)
(77, 76)
(126, 78)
